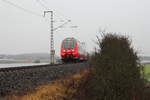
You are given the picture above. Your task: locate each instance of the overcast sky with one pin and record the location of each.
(24, 32)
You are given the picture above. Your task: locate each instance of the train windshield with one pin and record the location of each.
(68, 44)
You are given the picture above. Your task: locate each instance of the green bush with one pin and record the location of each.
(116, 72)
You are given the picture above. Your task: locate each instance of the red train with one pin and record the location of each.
(73, 50)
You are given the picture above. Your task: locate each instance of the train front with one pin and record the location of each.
(69, 50)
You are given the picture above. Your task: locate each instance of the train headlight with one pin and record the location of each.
(64, 50)
(72, 50)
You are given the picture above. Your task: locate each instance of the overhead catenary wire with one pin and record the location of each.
(65, 19)
(43, 4)
(45, 7)
(61, 25)
(21, 8)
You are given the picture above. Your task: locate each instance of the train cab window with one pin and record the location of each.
(68, 44)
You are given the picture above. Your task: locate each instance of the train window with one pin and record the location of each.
(68, 43)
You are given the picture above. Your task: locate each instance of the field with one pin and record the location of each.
(147, 71)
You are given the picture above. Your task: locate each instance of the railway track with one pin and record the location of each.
(26, 67)
(5, 69)
(17, 80)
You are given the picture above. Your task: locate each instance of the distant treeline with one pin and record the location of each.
(145, 58)
(42, 57)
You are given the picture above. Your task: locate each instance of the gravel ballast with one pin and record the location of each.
(20, 81)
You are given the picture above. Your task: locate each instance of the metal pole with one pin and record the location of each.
(52, 51)
(52, 40)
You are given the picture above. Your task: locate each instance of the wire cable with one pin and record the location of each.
(21, 8)
(45, 7)
(61, 25)
(43, 4)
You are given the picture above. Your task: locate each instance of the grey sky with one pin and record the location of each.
(22, 32)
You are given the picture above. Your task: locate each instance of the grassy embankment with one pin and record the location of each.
(62, 89)
(147, 71)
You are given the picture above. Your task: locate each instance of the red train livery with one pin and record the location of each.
(72, 50)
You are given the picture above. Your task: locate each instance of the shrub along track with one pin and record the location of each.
(19, 80)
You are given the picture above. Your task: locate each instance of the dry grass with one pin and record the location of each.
(62, 89)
